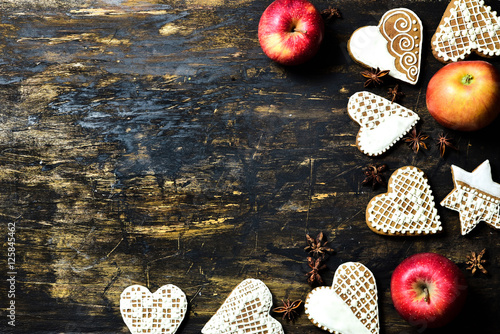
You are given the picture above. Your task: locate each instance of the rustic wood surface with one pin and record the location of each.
(152, 142)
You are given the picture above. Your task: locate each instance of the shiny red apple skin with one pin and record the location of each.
(291, 31)
(464, 107)
(446, 285)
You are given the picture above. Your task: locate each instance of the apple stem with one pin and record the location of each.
(298, 30)
(467, 79)
(426, 295)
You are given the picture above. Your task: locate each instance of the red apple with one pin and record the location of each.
(291, 31)
(465, 95)
(428, 290)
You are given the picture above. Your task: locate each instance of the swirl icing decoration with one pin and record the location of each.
(466, 26)
(394, 44)
(403, 30)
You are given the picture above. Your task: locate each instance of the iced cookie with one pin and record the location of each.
(475, 196)
(467, 26)
(246, 310)
(382, 122)
(394, 45)
(407, 208)
(349, 306)
(155, 313)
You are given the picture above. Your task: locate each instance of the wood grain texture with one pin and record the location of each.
(152, 142)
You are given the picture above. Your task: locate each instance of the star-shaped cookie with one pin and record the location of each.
(475, 196)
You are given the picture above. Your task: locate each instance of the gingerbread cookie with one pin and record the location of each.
(407, 208)
(349, 306)
(475, 196)
(467, 26)
(154, 313)
(394, 45)
(382, 122)
(246, 310)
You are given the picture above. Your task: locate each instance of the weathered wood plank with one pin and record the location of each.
(151, 142)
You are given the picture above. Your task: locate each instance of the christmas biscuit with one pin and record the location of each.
(394, 45)
(246, 310)
(466, 26)
(155, 313)
(475, 196)
(382, 122)
(349, 306)
(407, 208)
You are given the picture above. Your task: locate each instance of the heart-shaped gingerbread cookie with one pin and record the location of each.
(407, 208)
(466, 26)
(382, 122)
(154, 313)
(394, 45)
(350, 305)
(245, 310)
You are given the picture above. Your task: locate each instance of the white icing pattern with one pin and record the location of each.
(246, 310)
(407, 208)
(382, 122)
(403, 30)
(159, 313)
(475, 197)
(394, 45)
(470, 26)
(350, 305)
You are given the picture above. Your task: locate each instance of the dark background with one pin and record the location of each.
(152, 142)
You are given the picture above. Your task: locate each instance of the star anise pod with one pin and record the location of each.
(289, 309)
(373, 76)
(443, 142)
(374, 175)
(416, 140)
(395, 94)
(331, 12)
(476, 262)
(313, 277)
(317, 247)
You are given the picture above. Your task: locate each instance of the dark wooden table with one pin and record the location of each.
(152, 142)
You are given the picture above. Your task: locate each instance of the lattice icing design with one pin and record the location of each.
(382, 122)
(154, 313)
(407, 208)
(246, 310)
(475, 196)
(350, 305)
(466, 26)
(394, 45)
